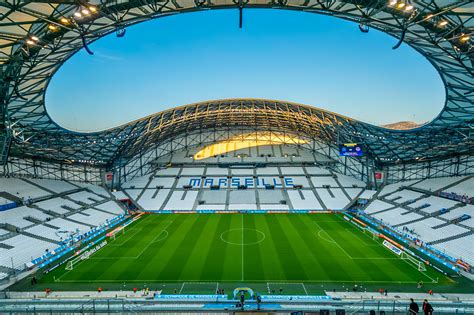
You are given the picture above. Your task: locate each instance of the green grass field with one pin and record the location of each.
(195, 253)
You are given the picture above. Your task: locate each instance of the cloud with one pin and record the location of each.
(108, 56)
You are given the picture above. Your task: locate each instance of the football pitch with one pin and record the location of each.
(198, 253)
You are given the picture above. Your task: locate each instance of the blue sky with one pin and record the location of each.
(294, 56)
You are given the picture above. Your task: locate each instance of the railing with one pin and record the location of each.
(150, 305)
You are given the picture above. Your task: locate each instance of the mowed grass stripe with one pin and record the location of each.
(107, 264)
(215, 258)
(147, 266)
(308, 244)
(253, 265)
(188, 239)
(292, 267)
(336, 264)
(331, 262)
(135, 268)
(389, 267)
(271, 264)
(198, 255)
(373, 269)
(291, 251)
(233, 259)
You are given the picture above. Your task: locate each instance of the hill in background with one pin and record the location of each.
(403, 125)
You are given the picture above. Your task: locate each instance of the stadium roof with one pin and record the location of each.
(37, 37)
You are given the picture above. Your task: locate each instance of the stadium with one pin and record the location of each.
(239, 204)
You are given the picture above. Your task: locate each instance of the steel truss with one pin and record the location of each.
(35, 42)
(32, 168)
(145, 164)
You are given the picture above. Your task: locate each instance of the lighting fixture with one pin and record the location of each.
(464, 38)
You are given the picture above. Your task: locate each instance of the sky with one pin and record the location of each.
(292, 56)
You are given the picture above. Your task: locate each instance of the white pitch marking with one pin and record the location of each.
(304, 288)
(242, 247)
(181, 289)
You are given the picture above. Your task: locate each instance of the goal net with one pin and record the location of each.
(71, 263)
(412, 260)
(374, 234)
(86, 253)
(113, 234)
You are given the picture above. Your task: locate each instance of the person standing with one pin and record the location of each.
(413, 309)
(427, 308)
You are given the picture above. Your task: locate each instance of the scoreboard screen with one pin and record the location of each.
(350, 149)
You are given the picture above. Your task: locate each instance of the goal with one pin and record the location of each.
(374, 234)
(412, 260)
(71, 263)
(85, 255)
(113, 234)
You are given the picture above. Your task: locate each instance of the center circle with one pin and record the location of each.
(242, 236)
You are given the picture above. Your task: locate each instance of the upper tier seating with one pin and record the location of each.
(241, 171)
(426, 232)
(86, 197)
(91, 217)
(217, 171)
(353, 192)
(152, 199)
(377, 205)
(110, 206)
(459, 248)
(16, 216)
(434, 184)
(48, 232)
(165, 182)
(333, 198)
(242, 196)
(463, 188)
(137, 182)
(58, 186)
(24, 250)
(349, 181)
(4, 201)
(368, 194)
(68, 226)
(292, 171)
(304, 200)
(270, 196)
(56, 205)
(21, 189)
(388, 189)
(457, 212)
(320, 181)
(396, 216)
(313, 170)
(3, 232)
(214, 196)
(267, 171)
(120, 195)
(403, 196)
(181, 200)
(435, 204)
(192, 171)
(171, 171)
